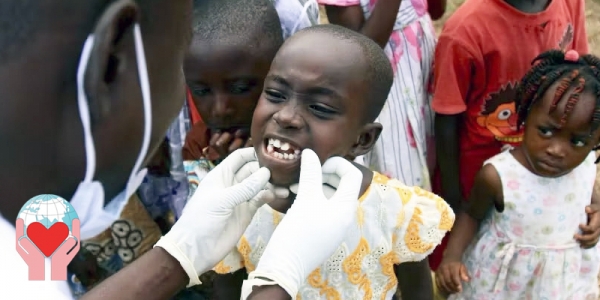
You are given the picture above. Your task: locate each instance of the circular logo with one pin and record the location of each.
(48, 210)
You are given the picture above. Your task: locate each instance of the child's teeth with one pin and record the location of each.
(270, 148)
(297, 152)
(285, 146)
(286, 156)
(276, 143)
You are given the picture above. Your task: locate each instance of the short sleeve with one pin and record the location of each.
(452, 70)
(422, 223)
(196, 170)
(339, 2)
(231, 263)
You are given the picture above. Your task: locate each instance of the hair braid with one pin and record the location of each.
(550, 68)
(573, 99)
(576, 77)
(564, 85)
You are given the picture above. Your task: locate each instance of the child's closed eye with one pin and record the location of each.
(321, 111)
(200, 91)
(239, 89)
(274, 96)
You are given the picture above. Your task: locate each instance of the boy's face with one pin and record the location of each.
(225, 82)
(552, 150)
(313, 97)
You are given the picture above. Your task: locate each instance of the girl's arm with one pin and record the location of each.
(436, 8)
(378, 27)
(486, 194)
(590, 232)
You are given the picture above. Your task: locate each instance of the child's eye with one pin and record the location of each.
(579, 143)
(200, 91)
(274, 96)
(545, 131)
(321, 111)
(239, 88)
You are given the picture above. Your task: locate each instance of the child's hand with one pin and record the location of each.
(225, 143)
(590, 232)
(449, 275)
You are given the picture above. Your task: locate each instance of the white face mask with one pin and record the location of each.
(88, 199)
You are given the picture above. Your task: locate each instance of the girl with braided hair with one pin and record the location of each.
(519, 231)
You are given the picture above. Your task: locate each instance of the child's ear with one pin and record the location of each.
(366, 140)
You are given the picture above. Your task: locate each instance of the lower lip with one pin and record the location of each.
(548, 168)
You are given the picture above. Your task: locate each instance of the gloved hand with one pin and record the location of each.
(218, 213)
(313, 228)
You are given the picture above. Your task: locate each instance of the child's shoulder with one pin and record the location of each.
(470, 26)
(392, 189)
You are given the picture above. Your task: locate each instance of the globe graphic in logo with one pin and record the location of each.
(48, 210)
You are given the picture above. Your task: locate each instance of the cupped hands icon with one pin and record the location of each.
(42, 242)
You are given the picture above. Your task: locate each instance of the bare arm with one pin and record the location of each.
(486, 194)
(378, 27)
(446, 133)
(156, 275)
(436, 8)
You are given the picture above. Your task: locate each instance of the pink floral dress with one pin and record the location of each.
(528, 251)
(403, 150)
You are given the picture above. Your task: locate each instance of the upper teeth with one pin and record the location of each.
(283, 146)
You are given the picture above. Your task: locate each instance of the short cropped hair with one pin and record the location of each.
(378, 73)
(254, 23)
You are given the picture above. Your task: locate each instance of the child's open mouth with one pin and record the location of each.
(282, 157)
(278, 149)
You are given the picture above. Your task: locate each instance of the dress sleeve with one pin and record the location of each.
(339, 2)
(452, 70)
(421, 223)
(231, 263)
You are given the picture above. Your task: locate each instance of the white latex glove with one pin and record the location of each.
(313, 228)
(218, 213)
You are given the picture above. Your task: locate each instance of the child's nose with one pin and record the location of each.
(288, 117)
(221, 108)
(556, 149)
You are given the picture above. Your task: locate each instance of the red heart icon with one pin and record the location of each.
(47, 239)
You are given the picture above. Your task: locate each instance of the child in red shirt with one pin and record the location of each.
(484, 50)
